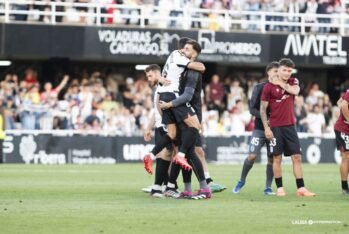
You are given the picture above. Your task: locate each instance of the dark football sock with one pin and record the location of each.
(196, 164)
(269, 173)
(174, 172)
(300, 183)
(161, 171)
(278, 182)
(245, 169)
(186, 176)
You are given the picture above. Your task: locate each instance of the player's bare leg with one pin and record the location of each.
(344, 170)
(215, 188)
(298, 174)
(278, 175)
(166, 139)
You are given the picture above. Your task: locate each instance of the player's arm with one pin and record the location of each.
(196, 66)
(263, 112)
(187, 95)
(182, 61)
(345, 109)
(339, 101)
(157, 105)
(63, 83)
(148, 129)
(291, 89)
(255, 94)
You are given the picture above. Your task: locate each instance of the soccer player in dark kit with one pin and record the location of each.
(280, 129)
(258, 139)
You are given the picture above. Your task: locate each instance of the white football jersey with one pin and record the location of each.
(173, 69)
(158, 117)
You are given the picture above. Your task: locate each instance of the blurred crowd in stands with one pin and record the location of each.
(177, 8)
(111, 103)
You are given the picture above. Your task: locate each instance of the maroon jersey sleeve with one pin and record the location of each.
(266, 93)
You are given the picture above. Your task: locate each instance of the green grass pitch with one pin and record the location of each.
(108, 199)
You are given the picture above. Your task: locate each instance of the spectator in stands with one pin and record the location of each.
(102, 9)
(176, 7)
(293, 7)
(21, 7)
(72, 93)
(98, 91)
(252, 5)
(326, 107)
(93, 121)
(50, 95)
(300, 113)
(266, 5)
(32, 110)
(315, 121)
(196, 15)
(133, 13)
(323, 7)
(236, 93)
(108, 104)
(215, 94)
(78, 124)
(310, 9)
(60, 9)
(126, 123)
(85, 98)
(31, 77)
(210, 123)
(82, 10)
(148, 9)
(10, 111)
(129, 94)
(239, 119)
(279, 7)
(314, 94)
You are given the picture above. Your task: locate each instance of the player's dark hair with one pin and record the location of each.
(196, 45)
(272, 65)
(287, 62)
(182, 41)
(153, 67)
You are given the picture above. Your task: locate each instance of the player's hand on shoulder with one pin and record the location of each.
(164, 81)
(276, 80)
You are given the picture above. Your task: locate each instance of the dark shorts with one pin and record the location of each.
(182, 112)
(159, 132)
(199, 141)
(258, 140)
(176, 114)
(342, 141)
(285, 141)
(167, 115)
